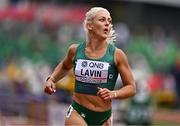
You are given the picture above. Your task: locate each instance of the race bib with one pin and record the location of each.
(91, 71)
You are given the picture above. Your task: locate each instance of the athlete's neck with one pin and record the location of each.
(95, 44)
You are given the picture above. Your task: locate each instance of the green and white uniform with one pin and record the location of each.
(92, 73)
(89, 75)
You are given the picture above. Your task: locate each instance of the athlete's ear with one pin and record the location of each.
(89, 26)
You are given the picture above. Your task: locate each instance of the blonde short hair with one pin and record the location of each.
(89, 18)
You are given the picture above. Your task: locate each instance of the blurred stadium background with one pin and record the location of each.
(35, 35)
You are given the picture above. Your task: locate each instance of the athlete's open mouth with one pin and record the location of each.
(106, 29)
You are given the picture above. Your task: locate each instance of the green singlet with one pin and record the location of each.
(93, 73)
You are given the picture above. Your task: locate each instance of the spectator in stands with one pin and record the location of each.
(96, 63)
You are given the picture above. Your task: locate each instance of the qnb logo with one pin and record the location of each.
(96, 65)
(84, 64)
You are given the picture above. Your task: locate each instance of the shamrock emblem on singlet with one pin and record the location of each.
(83, 115)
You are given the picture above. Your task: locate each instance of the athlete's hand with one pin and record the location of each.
(105, 94)
(49, 87)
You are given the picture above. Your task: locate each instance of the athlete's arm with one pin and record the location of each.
(61, 70)
(129, 87)
(65, 65)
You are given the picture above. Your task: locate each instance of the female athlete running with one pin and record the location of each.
(96, 63)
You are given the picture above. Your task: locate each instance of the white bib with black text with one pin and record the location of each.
(89, 71)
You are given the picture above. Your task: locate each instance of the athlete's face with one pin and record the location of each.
(101, 24)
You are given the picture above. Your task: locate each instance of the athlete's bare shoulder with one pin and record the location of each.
(73, 47)
(120, 56)
(119, 51)
(72, 50)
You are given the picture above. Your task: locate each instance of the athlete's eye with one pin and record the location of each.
(110, 21)
(102, 19)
